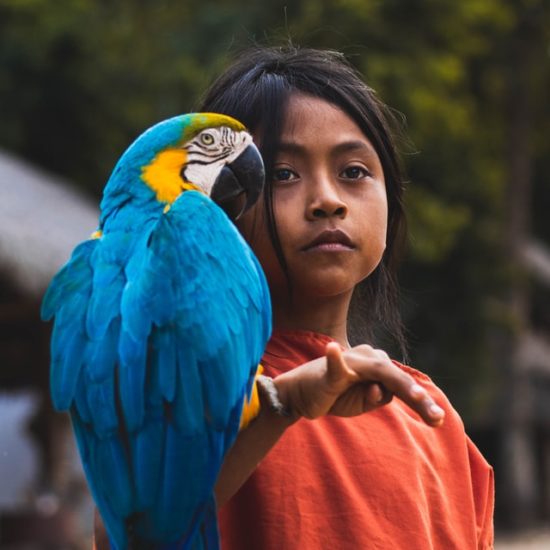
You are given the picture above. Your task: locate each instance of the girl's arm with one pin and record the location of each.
(343, 384)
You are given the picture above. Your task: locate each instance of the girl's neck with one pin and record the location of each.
(327, 315)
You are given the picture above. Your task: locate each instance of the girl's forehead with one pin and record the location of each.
(303, 106)
(312, 120)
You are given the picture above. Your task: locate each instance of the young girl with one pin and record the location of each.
(326, 476)
(320, 474)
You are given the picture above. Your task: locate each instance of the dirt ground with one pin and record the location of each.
(530, 540)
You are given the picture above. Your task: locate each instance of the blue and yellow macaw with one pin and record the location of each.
(161, 319)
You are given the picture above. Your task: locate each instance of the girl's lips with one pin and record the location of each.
(330, 240)
(329, 247)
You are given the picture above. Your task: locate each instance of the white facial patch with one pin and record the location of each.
(209, 151)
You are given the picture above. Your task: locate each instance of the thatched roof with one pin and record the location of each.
(42, 218)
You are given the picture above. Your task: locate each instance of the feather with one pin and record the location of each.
(64, 373)
(101, 404)
(176, 514)
(102, 355)
(104, 303)
(188, 406)
(81, 407)
(110, 461)
(147, 465)
(166, 348)
(131, 378)
(87, 442)
(74, 275)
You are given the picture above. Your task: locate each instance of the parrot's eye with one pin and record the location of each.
(207, 139)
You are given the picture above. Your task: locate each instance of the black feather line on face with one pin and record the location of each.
(215, 159)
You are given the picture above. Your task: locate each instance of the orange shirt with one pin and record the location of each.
(382, 480)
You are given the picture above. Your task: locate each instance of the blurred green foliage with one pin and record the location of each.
(79, 79)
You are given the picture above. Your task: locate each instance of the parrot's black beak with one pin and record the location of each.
(244, 176)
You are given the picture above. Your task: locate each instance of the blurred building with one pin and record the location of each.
(526, 452)
(43, 497)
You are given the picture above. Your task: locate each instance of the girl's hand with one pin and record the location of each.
(350, 383)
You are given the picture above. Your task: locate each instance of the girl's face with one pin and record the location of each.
(329, 201)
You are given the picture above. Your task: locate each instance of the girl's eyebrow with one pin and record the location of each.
(343, 147)
(354, 145)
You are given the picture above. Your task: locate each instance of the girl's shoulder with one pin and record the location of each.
(415, 373)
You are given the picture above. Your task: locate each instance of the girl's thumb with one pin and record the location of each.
(336, 365)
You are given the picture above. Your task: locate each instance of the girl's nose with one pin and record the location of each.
(325, 202)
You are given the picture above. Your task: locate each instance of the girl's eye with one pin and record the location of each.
(355, 173)
(284, 174)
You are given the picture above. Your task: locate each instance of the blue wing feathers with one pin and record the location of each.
(165, 346)
(102, 356)
(189, 405)
(81, 407)
(104, 305)
(67, 299)
(86, 443)
(147, 465)
(131, 379)
(110, 461)
(66, 364)
(198, 453)
(166, 324)
(210, 526)
(102, 408)
(68, 280)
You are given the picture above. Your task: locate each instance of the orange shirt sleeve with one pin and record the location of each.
(483, 487)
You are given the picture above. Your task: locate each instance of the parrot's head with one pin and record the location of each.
(206, 152)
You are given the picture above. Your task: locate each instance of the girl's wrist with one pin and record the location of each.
(274, 397)
(269, 396)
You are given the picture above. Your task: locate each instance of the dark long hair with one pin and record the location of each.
(255, 90)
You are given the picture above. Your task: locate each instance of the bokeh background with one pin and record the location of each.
(79, 79)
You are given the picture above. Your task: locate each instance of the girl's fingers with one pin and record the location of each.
(376, 395)
(430, 410)
(405, 387)
(409, 391)
(372, 365)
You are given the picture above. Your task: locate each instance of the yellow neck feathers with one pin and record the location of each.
(162, 175)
